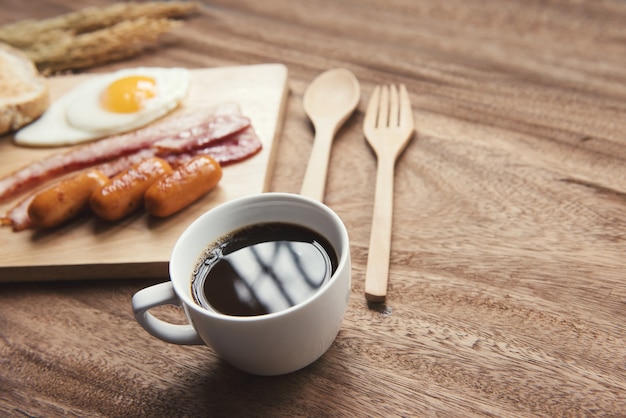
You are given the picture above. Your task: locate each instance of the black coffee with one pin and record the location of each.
(262, 269)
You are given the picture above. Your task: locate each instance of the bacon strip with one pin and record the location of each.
(113, 167)
(229, 150)
(115, 146)
(18, 217)
(201, 136)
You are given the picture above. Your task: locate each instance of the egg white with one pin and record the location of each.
(78, 116)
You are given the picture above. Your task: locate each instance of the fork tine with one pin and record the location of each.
(406, 112)
(393, 106)
(383, 109)
(372, 112)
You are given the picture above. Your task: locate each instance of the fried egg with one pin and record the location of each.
(108, 104)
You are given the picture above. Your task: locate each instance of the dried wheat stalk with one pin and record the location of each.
(94, 36)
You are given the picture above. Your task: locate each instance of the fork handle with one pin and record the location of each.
(377, 273)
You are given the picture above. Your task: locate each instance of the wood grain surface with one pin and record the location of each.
(89, 248)
(507, 287)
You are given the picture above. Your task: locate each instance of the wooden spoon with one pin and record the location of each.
(328, 101)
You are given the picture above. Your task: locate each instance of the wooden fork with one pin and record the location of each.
(388, 128)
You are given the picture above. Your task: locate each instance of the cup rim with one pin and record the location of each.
(343, 263)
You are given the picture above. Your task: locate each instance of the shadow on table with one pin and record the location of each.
(220, 390)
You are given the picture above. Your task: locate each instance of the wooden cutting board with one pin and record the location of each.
(140, 246)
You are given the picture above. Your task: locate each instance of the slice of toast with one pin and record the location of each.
(23, 91)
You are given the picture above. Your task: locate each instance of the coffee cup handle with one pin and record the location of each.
(158, 295)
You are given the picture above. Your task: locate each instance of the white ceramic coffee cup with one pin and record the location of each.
(271, 344)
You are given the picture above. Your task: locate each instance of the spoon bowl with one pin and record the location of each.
(328, 102)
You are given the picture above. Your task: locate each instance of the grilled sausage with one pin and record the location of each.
(181, 187)
(124, 194)
(64, 200)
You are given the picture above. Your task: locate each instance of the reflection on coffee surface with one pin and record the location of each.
(262, 269)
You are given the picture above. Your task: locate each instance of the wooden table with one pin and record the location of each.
(507, 291)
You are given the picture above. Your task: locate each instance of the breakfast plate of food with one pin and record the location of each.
(99, 179)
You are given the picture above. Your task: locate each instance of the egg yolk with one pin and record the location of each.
(128, 94)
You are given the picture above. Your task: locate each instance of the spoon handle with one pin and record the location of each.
(377, 272)
(314, 181)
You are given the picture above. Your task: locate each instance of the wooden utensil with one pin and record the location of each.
(388, 127)
(328, 101)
